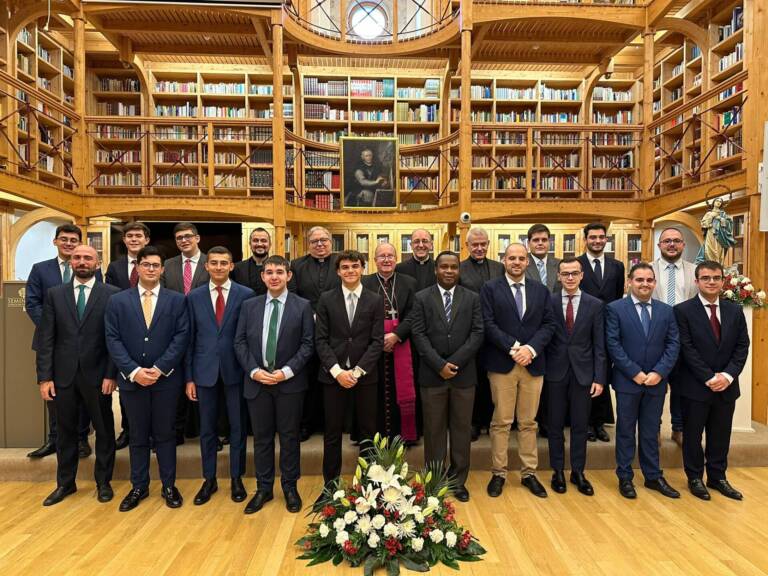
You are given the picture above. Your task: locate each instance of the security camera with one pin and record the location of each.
(608, 75)
(465, 218)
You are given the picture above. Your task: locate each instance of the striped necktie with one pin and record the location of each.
(448, 306)
(671, 283)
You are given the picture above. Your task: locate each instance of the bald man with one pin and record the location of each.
(421, 266)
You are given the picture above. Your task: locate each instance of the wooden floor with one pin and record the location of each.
(562, 535)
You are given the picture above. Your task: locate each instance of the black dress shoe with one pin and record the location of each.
(133, 498)
(305, 434)
(627, 489)
(543, 432)
(558, 482)
(83, 449)
(104, 492)
(591, 436)
(461, 494)
(237, 490)
(697, 488)
(475, 433)
(533, 484)
(495, 486)
(122, 441)
(257, 502)
(207, 490)
(172, 497)
(45, 450)
(725, 488)
(59, 494)
(661, 486)
(292, 500)
(582, 483)
(601, 434)
(219, 445)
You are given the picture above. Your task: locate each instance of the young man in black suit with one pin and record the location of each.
(349, 337)
(74, 369)
(447, 333)
(714, 345)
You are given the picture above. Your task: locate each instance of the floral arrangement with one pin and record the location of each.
(739, 289)
(388, 516)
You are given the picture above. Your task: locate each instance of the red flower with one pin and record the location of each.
(449, 507)
(466, 538)
(392, 545)
(307, 545)
(328, 511)
(349, 548)
(449, 517)
(430, 521)
(425, 532)
(396, 515)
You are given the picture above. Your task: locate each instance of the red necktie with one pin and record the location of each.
(134, 278)
(569, 315)
(219, 306)
(187, 276)
(714, 321)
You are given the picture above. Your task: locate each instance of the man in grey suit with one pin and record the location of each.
(543, 266)
(675, 283)
(448, 332)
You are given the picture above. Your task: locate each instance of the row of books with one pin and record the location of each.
(423, 113)
(68, 71)
(561, 160)
(106, 84)
(372, 133)
(317, 111)
(45, 54)
(612, 139)
(617, 117)
(625, 160)
(322, 179)
(729, 147)
(322, 202)
(224, 157)
(45, 83)
(729, 117)
(186, 109)
(507, 93)
(736, 23)
(177, 156)
(730, 59)
(385, 115)
(431, 89)
(45, 162)
(558, 183)
(419, 182)
(728, 92)
(384, 88)
(261, 178)
(25, 36)
(325, 136)
(560, 117)
(23, 63)
(226, 88)
(417, 138)
(169, 86)
(427, 161)
(321, 159)
(527, 115)
(609, 94)
(476, 92)
(181, 179)
(675, 94)
(117, 156)
(268, 89)
(223, 112)
(677, 69)
(109, 131)
(316, 87)
(261, 156)
(510, 182)
(117, 109)
(176, 132)
(507, 137)
(227, 181)
(511, 160)
(675, 170)
(558, 138)
(127, 178)
(547, 93)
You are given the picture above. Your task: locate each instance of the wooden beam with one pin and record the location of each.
(624, 15)
(261, 35)
(480, 33)
(154, 26)
(62, 200)
(656, 10)
(659, 206)
(278, 140)
(196, 49)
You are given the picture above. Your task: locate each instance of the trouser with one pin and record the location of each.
(567, 398)
(83, 425)
(642, 413)
(716, 417)
(210, 400)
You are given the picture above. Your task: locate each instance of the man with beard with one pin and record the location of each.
(248, 272)
(368, 176)
(421, 266)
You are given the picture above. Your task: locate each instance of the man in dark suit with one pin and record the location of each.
(74, 370)
(642, 340)
(124, 273)
(518, 326)
(45, 275)
(604, 279)
(248, 271)
(543, 266)
(349, 337)
(213, 372)
(398, 390)
(576, 372)
(714, 345)
(475, 271)
(447, 333)
(421, 265)
(147, 330)
(274, 344)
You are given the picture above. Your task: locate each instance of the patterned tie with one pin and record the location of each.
(146, 306)
(542, 271)
(134, 278)
(569, 319)
(81, 302)
(187, 276)
(598, 271)
(351, 302)
(219, 306)
(645, 317)
(518, 298)
(271, 354)
(448, 306)
(671, 282)
(714, 321)
(66, 276)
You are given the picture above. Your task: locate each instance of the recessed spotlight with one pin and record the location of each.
(535, 47)
(207, 38)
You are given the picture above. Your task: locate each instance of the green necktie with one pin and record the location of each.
(81, 302)
(272, 335)
(67, 276)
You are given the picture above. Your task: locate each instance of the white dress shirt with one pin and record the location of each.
(707, 304)
(592, 259)
(336, 369)
(88, 287)
(576, 299)
(268, 307)
(639, 309)
(193, 260)
(664, 275)
(215, 293)
(62, 263)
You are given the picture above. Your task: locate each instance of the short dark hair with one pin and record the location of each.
(668, 228)
(445, 253)
(640, 266)
(140, 226)
(594, 226)
(69, 229)
(221, 250)
(277, 260)
(536, 228)
(709, 265)
(185, 226)
(350, 256)
(260, 229)
(149, 251)
(569, 260)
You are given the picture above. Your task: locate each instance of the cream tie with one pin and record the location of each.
(146, 306)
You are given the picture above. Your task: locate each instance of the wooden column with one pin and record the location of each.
(647, 166)
(465, 123)
(278, 140)
(80, 154)
(646, 240)
(445, 129)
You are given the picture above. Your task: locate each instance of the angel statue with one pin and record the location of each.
(717, 226)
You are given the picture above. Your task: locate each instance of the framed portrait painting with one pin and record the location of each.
(369, 175)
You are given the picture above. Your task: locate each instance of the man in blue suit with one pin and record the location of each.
(519, 324)
(147, 331)
(642, 340)
(212, 369)
(274, 344)
(45, 275)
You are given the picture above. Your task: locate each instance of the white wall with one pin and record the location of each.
(35, 245)
(692, 243)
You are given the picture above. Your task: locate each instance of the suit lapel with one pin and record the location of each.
(135, 301)
(528, 300)
(69, 297)
(437, 299)
(162, 301)
(725, 322)
(632, 310)
(199, 270)
(231, 303)
(457, 300)
(208, 305)
(551, 273)
(97, 293)
(701, 316)
(259, 322)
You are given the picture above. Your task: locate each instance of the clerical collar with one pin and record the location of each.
(478, 262)
(319, 260)
(385, 278)
(422, 262)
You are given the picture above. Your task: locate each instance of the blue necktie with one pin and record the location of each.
(447, 306)
(645, 317)
(542, 271)
(598, 271)
(671, 281)
(518, 298)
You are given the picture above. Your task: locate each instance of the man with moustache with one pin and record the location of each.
(397, 389)
(147, 330)
(248, 271)
(124, 273)
(676, 282)
(447, 333)
(421, 266)
(74, 370)
(475, 271)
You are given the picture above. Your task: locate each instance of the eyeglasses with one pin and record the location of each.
(669, 241)
(319, 241)
(385, 257)
(570, 274)
(150, 265)
(710, 278)
(185, 237)
(425, 242)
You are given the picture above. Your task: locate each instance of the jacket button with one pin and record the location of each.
(349, 339)
(146, 339)
(143, 354)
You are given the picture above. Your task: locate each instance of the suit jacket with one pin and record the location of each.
(612, 286)
(295, 343)
(405, 292)
(173, 275)
(689, 281)
(306, 280)
(248, 273)
(700, 354)
(211, 348)
(163, 344)
(584, 349)
(438, 341)
(633, 352)
(67, 343)
(336, 340)
(470, 277)
(503, 325)
(423, 273)
(43, 276)
(117, 273)
(532, 272)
